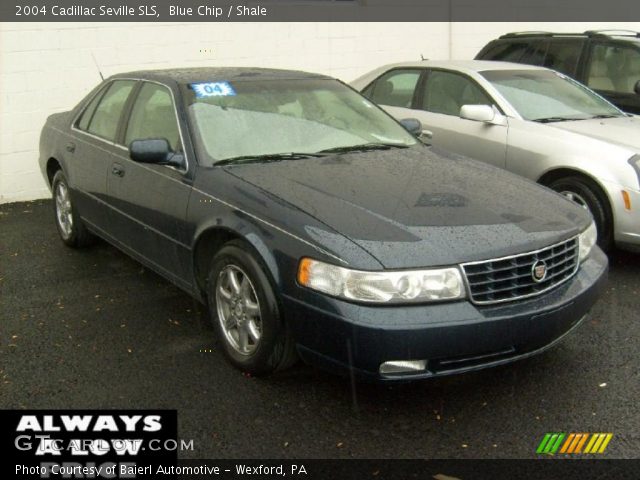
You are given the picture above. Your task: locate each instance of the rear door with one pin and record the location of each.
(92, 148)
(150, 201)
(613, 70)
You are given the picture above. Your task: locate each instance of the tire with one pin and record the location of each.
(246, 312)
(71, 228)
(588, 195)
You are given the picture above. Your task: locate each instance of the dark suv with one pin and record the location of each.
(606, 61)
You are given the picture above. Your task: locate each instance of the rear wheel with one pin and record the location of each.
(71, 228)
(246, 314)
(589, 196)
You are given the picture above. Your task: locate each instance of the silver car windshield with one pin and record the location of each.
(546, 96)
(248, 120)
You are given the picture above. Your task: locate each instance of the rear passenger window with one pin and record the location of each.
(563, 56)
(153, 116)
(395, 88)
(105, 119)
(83, 123)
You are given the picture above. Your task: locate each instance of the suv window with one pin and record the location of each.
(614, 68)
(104, 121)
(563, 56)
(394, 88)
(153, 116)
(447, 92)
(506, 51)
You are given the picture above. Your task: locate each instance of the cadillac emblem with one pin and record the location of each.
(539, 271)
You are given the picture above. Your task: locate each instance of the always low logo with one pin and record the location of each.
(574, 443)
(87, 443)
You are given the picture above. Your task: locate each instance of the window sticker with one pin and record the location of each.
(213, 89)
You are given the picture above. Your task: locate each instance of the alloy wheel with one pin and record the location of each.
(64, 213)
(238, 310)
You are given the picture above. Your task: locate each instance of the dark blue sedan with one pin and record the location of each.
(316, 226)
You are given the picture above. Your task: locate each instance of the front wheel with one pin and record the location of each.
(246, 314)
(70, 226)
(589, 196)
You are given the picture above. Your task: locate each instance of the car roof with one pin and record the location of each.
(208, 74)
(467, 66)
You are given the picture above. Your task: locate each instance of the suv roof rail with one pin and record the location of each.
(631, 33)
(531, 32)
(588, 33)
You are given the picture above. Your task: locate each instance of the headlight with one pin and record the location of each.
(586, 241)
(382, 287)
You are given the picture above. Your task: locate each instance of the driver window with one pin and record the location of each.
(447, 92)
(153, 116)
(614, 68)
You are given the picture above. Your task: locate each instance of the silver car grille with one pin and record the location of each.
(512, 278)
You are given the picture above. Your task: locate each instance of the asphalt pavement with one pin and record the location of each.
(93, 328)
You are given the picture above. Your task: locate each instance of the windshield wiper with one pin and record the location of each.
(555, 119)
(605, 115)
(267, 157)
(363, 147)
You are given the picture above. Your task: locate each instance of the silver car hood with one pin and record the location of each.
(622, 131)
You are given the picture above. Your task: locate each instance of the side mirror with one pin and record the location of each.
(477, 113)
(636, 87)
(154, 150)
(412, 125)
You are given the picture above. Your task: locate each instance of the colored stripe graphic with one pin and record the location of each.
(550, 443)
(598, 442)
(581, 443)
(573, 443)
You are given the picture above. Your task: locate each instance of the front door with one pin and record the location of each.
(150, 201)
(438, 104)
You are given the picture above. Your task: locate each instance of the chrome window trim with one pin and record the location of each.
(508, 257)
(124, 147)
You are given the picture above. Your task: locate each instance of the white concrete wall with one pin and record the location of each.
(47, 67)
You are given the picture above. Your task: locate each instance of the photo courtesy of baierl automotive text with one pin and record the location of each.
(320, 239)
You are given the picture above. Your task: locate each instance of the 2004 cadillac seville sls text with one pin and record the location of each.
(315, 225)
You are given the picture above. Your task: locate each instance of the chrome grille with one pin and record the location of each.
(511, 278)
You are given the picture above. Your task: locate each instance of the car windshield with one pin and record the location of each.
(239, 121)
(546, 96)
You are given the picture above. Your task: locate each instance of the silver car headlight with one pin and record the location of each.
(587, 241)
(409, 286)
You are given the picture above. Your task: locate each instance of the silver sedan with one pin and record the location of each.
(530, 120)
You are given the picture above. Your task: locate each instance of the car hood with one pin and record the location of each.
(420, 206)
(623, 131)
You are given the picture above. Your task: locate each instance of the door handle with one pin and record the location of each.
(117, 170)
(71, 147)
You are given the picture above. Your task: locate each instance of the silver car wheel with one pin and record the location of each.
(238, 310)
(576, 198)
(64, 213)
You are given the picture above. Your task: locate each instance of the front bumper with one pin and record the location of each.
(453, 337)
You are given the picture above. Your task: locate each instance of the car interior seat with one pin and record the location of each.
(599, 78)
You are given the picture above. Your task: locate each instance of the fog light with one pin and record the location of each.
(403, 366)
